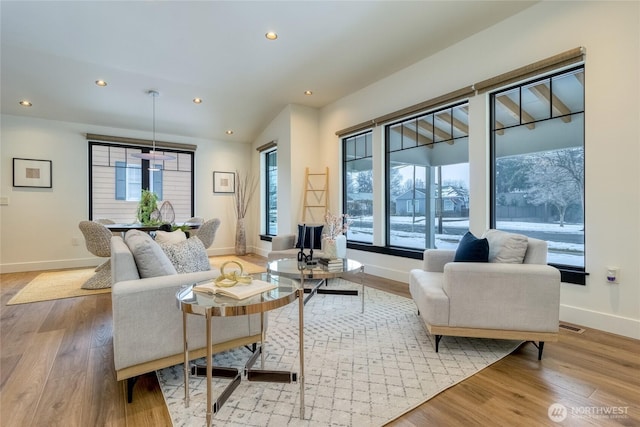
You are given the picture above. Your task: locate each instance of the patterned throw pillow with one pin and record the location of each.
(187, 256)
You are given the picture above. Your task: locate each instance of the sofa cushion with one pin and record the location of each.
(472, 249)
(506, 247)
(149, 256)
(170, 236)
(187, 256)
(317, 236)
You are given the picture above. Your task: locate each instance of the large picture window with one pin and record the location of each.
(537, 151)
(427, 179)
(117, 179)
(358, 186)
(271, 187)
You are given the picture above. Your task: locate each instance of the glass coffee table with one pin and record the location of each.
(209, 306)
(317, 275)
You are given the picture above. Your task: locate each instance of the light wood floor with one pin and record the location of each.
(56, 369)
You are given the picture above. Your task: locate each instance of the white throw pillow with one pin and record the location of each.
(187, 256)
(149, 256)
(509, 248)
(170, 236)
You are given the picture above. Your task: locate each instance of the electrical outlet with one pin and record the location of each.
(74, 241)
(4, 201)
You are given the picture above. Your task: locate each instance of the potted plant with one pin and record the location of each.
(147, 213)
(245, 187)
(335, 242)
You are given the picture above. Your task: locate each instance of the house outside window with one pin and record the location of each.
(357, 183)
(271, 191)
(117, 179)
(427, 179)
(537, 153)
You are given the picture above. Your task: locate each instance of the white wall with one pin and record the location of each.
(610, 33)
(38, 225)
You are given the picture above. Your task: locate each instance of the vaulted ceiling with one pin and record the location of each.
(53, 52)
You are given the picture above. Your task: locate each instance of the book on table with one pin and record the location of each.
(331, 262)
(238, 291)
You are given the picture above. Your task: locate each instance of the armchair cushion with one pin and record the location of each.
(187, 256)
(472, 249)
(150, 260)
(509, 248)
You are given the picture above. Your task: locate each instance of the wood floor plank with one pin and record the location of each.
(24, 388)
(61, 403)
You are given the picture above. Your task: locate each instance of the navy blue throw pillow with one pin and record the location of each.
(472, 249)
(317, 236)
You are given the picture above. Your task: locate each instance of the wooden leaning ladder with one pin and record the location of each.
(316, 196)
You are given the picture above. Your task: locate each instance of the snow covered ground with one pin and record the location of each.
(561, 250)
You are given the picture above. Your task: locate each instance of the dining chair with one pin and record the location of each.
(98, 241)
(195, 220)
(207, 231)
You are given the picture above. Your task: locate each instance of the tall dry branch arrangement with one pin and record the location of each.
(245, 188)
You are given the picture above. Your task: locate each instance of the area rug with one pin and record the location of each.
(360, 369)
(54, 285)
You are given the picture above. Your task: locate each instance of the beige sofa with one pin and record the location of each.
(517, 301)
(147, 322)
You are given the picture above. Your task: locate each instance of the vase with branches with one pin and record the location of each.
(246, 185)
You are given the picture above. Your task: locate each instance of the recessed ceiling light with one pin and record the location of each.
(271, 35)
(197, 100)
(101, 83)
(25, 103)
(308, 92)
(229, 132)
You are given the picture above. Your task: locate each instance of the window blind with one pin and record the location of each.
(569, 57)
(141, 142)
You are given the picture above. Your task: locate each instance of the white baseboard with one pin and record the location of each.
(619, 325)
(50, 265)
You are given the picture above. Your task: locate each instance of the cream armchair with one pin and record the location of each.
(283, 246)
(489, 300)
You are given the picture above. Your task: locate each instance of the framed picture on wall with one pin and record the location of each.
(224, 182)
(31, 173)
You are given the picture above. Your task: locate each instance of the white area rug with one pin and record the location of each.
(360, 369)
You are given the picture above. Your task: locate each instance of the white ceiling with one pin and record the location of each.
(52, 52)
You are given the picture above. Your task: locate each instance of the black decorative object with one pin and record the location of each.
(302, 257)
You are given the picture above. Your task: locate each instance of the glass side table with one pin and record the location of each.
(208, 306)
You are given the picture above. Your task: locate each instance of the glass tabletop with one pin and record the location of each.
(219, 305)
(290, 267)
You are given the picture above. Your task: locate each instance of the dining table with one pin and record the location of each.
(123, 228)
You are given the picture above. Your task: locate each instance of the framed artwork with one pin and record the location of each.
(224, 182)
(31, 173)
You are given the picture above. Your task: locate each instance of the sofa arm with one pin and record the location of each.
(503, 296)
(283, 242)
(147, 321)
(434, 260)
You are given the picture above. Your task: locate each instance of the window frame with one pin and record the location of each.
(368, 134)
(431, 113)
(267, 182)
(569, 273)
(144, 164)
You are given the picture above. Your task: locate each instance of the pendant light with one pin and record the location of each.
(153, 154)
